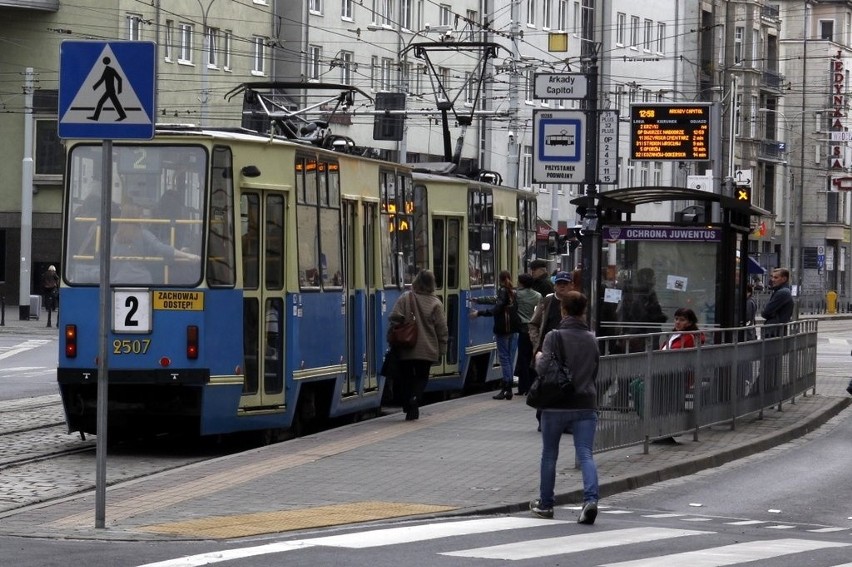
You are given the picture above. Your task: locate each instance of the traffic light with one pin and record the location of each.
(742, 193)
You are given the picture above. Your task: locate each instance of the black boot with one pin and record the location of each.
(502, 395)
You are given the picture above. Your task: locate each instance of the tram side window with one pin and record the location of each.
(250, 230)
(306, 217)
(221, 266)
(481, 238)
(318, 215)
(527, 218)
(274, 269)
(404, 229)
(331, 264)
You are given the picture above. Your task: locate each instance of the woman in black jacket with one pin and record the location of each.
(507, 324)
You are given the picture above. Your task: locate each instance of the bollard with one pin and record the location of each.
(831, 302)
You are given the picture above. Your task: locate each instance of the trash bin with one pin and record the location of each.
(831, 302)
(35, 306)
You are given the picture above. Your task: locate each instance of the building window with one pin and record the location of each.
(226, 50)
(374, 73)
(134, 27)
(648, 37)
(577, 27)
(739, 33)
(212, 47)
(169, 32)
(48, 150)
(346, 58)
(531, 12)
(661, 38)
(547, 14)
(314, 62)
(407, 9)
(384, 15)
(315, 6)
(529, 86)
(562, 16)
(185, 55)
(657, 173)
(752, 123)
(346, 9)
(258, 56)
(620, 28)
(387, 74)
(634, 32)
(473, 20)
(527, 158)
(445, 15)
(826, 29)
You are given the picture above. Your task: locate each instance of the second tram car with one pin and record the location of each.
(251, 279)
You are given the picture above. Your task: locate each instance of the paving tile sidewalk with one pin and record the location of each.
(464, 456)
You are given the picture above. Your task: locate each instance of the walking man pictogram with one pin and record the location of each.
(112, 88)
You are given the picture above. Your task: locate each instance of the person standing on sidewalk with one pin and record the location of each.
(541, 279)
(528, 299)
(50, 291)
(779, 308)
(431, 345)
(578, 411)
(507, 324)
(547, 317)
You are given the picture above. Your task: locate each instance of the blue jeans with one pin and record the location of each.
(506, 345)
(553, 424)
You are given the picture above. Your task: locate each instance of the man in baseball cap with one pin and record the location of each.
(562, 277)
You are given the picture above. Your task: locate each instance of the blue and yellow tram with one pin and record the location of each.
(251, 278)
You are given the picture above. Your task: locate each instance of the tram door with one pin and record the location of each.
(263, 271)
(446, 254)
(359, 265)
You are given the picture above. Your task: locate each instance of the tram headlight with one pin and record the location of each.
(71, 341)
(192, 342)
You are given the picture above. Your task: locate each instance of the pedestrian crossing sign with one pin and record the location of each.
(106, 90)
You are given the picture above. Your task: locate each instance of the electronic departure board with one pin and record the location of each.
(679, 132)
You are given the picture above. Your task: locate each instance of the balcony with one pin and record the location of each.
(772, 80)
(772, 150)
(40, 5)
(772, 13)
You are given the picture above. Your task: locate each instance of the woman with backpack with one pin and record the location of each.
(507, 324)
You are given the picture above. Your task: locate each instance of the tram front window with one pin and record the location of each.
(157, 220)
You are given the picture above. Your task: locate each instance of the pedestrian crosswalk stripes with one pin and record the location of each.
(532, 549)
(731, 554)
(449, 536)
(425, 532)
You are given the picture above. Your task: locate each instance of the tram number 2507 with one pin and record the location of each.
(130, 346)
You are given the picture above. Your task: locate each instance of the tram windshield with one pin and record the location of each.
(157, 215)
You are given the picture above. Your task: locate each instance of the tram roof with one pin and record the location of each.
(627, 198)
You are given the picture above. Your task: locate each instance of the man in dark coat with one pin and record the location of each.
(541, 281)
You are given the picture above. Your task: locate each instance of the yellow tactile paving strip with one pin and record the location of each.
(200, 487)
(243, 525)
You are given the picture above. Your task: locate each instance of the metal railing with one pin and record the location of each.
(647, 394)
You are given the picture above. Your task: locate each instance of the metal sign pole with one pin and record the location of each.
(106, 310)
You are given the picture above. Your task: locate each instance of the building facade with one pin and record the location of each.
(776, 73)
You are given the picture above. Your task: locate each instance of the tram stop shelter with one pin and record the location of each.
(649, 269)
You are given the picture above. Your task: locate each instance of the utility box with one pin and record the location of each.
(35, 306)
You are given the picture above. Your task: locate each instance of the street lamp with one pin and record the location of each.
(402, 71)
(787, 259)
